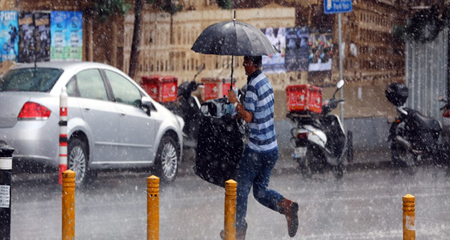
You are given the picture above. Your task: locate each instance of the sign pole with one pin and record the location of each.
(332, 7)
(341, 75)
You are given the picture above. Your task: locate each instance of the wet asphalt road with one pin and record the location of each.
(365, 204)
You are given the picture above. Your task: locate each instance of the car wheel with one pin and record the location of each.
(167, 158)
(77, 159)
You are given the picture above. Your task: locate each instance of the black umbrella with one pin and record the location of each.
(233, 38)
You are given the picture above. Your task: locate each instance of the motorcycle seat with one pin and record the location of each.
(428, 122)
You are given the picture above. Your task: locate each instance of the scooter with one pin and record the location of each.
(445, 119)
(413, 136)
(319, 139)
(189, 109)
(215, 134)
(192, 111)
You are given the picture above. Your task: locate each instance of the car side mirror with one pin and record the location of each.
(147, 105)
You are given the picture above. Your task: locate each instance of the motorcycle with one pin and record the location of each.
(192, 111)
(319, 139)
(413, 136)
(213, 132)
(445, 119)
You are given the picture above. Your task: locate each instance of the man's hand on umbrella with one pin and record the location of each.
(232, 96)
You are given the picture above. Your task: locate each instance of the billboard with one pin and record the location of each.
(275, 63)
(300, 49)
(9, 35)
(297, 49)
(320, 51)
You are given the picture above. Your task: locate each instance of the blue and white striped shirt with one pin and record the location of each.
(259, 100)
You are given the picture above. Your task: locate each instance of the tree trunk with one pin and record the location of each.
(135, 49)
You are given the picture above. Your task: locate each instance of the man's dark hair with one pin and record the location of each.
(257, 60)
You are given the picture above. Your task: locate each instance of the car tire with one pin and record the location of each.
(77, 160)
(167, 159)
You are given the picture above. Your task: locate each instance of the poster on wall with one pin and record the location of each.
(58, 31)
(34, 40)
(26, 39)
(320, 51)
(297, 49)
(9, 35)
(42, 33)
(66, 36)
(274, 63)
(75, 36)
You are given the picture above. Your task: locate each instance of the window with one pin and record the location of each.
(71, 87)
(90, 85)
(124, 91)
(29, 79)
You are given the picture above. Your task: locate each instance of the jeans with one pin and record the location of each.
(254, 170)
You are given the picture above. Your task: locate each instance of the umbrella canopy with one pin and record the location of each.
(233, 38)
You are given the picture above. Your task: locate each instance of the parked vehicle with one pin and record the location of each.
(445, 119)
(112, 122)
(413, 136)
(192, 111)
(319, 139)
(189, 109)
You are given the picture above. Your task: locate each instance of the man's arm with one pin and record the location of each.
(246, 115)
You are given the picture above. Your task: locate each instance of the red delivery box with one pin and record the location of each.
(161, 88)
(211, 88)
(304, 98)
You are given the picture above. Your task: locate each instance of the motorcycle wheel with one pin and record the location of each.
(339, 171)
(403, 157)
(441, 158)
(350, 146)
(305, 166)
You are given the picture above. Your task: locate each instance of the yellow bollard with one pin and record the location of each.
(230, 210)
(152, 208)
(68, 205)
(409, 217)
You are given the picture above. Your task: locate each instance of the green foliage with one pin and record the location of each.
(399, 32)
(224, 4)
(423, 26)
(166, 6)
(110, 8)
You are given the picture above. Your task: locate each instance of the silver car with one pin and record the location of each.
(112, 121)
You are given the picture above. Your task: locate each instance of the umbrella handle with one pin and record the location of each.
(232, 67)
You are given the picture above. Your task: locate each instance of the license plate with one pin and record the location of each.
(299, 152)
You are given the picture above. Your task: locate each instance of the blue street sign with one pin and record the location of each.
(337, 6)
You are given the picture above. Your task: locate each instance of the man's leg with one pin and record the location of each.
(245, 176)
(271, 198)
(262, 194)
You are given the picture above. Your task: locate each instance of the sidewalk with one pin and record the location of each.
(361, 160)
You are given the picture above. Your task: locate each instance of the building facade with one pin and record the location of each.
(371, 56)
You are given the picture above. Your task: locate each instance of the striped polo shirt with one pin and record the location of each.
(259, 100)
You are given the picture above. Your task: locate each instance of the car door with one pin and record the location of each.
(99, 114)
(137, 130)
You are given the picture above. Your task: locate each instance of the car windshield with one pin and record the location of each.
(29, 79)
